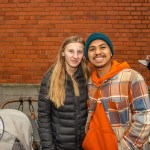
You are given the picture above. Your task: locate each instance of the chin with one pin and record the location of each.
(99, 66)
(74, 66)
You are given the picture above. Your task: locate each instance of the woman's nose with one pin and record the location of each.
(75, 55)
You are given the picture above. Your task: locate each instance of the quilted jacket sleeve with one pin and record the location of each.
(138, 133)
(44, 115)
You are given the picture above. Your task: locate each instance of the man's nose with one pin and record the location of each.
(98, 50)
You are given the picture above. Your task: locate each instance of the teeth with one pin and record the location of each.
(99, 58)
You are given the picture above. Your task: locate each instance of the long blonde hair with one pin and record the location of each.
(58, 78)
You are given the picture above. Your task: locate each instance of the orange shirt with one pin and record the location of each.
(100, 135)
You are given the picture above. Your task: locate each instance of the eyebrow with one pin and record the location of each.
(98, 45)
(77, 49)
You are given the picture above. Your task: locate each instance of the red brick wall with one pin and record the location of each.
(31, 32)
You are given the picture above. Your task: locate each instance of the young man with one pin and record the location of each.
(119, 113)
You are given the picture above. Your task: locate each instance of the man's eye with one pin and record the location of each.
(91, 49)
(103, 47)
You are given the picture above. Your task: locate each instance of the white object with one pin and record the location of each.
(14, 124)
(143, 62)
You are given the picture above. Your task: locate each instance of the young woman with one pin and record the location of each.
(62, 107)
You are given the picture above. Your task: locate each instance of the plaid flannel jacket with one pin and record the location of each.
(126, 102)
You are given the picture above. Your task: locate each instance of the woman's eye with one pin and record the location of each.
(80, 52)
(71, 51)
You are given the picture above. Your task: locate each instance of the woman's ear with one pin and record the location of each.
(62, 54)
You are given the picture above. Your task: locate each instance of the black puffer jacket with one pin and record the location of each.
(63, 128)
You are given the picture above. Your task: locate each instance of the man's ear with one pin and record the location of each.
(62, 54)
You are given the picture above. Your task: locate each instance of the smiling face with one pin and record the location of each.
(73, 53)
(99, 54)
